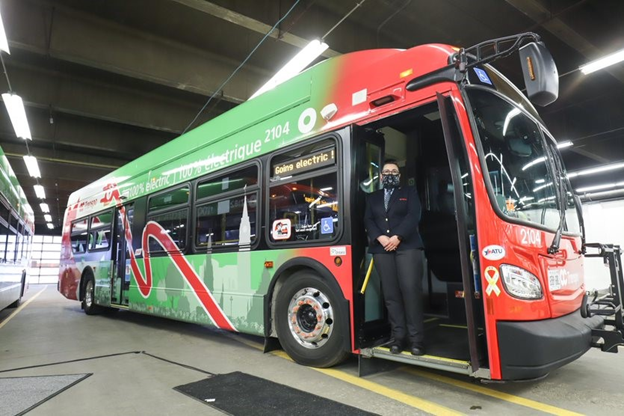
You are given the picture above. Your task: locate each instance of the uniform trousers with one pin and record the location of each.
(401, 283)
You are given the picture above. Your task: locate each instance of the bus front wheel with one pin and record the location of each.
(311, 321)
(88, 301)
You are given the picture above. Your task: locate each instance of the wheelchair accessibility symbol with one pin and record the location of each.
(327, 225)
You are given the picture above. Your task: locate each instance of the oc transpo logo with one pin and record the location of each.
(493, 252)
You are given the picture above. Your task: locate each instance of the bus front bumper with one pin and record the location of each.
(530, 350)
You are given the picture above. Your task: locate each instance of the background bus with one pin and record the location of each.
(253, 221)
(16, 232)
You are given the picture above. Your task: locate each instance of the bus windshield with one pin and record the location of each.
(517, 158)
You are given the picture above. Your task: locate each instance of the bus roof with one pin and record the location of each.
(291, 111)
(12, 192)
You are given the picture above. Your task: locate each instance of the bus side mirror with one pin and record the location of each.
(540, 73)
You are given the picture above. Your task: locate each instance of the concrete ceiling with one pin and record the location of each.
(105, 81)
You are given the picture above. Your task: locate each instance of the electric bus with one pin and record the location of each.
(16, 232)
(253, 222)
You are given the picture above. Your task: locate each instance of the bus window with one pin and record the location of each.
(304, 206)
(219, 222)
(79, 236)
(172, 215)
(4, 234)
(174, 223)
(232, 181)
(516, 160)
(100, 231)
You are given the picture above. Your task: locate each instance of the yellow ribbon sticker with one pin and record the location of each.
(491, 275)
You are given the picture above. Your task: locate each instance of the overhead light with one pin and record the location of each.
(597, 187)
(534, 162)
(50, 226)
(603, 193)
(510, 115)
(563, 145)
(591, 171)
(32, 166)
(601, 63)
(308, 54)
(47, 217)
(44, 207)
(15, 107)
(39, 191)
(4, 43)
(539, 188)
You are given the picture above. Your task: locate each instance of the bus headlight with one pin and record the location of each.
(520, 283)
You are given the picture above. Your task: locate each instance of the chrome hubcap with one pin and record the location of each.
(310, 317)
(89, 294)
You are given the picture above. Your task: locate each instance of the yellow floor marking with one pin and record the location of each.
(546, 408)
(3, 323)
(421, 404)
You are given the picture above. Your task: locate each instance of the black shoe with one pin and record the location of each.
(396, 348)
(418, 349)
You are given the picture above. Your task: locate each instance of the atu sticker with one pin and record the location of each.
(338, 251)
(493, 252)
(281, 229)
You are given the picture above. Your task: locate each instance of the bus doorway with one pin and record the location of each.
(427, 144)
(121, 253)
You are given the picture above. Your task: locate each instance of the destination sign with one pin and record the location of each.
(305, 163)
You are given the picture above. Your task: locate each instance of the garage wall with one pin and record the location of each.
(604, 223)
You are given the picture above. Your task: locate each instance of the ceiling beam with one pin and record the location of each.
(71, 94)
(540, 14)
(250, 24)
(69, 35)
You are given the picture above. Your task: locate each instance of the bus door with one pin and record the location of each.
(370, 314)
(466, 231)
(121, 271)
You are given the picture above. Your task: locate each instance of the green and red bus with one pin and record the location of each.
(253, 221)
(16, 232)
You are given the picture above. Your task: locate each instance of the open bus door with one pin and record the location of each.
(121, 256)
(427, 142)
(370, 314)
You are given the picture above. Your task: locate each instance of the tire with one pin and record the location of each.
(88, 300)
(310, 338)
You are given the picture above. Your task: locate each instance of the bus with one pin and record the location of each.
(16, 233)
(253, 222)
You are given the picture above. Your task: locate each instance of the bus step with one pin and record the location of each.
(368, 364)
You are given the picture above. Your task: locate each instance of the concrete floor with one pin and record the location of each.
(51, 329)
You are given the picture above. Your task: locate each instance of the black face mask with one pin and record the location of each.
(390, 181)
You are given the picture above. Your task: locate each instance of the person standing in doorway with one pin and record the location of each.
(391, 220)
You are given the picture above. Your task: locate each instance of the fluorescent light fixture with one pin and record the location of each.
(604, 62)
(44, 207)
(50, 226)
(596, 194)
(534, 162)
(4, 43)
(15, 107)
(329, 188)
(39, 191)
(32, 166)
(510, 115)
(597, 187)
(540, 181)
(47, 217)
(308, 54)
(563, 145)
(539, 188)
(591, 171)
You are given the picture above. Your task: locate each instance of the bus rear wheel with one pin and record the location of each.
(88, 301)
(311, 321)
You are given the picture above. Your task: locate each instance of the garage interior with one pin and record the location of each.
(106, 81)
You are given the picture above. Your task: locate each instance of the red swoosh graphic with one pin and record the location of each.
(157, 232)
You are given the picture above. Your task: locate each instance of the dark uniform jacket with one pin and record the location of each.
(401, 219)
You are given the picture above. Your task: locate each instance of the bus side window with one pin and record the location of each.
(304, 196)
(170, 210)
(79, 236)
